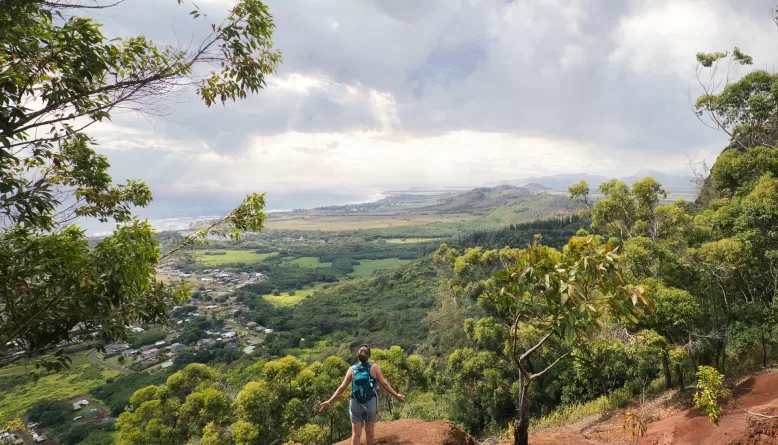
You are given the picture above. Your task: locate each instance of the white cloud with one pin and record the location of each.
(379, 94)
(663, 36)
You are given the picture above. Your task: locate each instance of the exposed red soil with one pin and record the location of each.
(693, 428)
(413, 432)
(670, 425)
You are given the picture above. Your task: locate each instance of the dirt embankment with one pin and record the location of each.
(417, 432)
(758, 394)
(669, 425)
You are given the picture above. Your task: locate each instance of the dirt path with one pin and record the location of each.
(693, 428)
(93, 358)
(678, 426)
(417, 432)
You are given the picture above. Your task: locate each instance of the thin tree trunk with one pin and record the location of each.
(718, 354)
(764, 347)
(521, 424)
(679, 377)
(666, 369)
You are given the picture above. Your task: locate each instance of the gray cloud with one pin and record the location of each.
(611, 76)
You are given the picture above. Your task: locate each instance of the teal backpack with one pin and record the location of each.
(362, 385)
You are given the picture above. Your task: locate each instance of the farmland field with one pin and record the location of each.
(355, 222)
(367, 267)
(308, 261)
(291, 300)
(212, 258)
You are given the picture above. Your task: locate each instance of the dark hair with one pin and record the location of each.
(363, 353)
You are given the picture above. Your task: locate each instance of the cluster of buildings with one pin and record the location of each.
(215, 282)
(152, 350)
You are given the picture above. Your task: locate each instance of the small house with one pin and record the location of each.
(251, 324)
(150, 352)
(160, 343)
(80, 404)
(229, 334)
(166, 364)
(249, 349)
(129, 352)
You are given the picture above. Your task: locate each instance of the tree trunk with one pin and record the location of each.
(679, 377)
(764, 347)
(521, 424)
(718, 354)
(521, 429)
(726, 334)
(666, 369)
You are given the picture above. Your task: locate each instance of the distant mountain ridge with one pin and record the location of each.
(670, 182)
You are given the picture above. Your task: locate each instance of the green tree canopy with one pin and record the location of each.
(59, 74)
(545, 297)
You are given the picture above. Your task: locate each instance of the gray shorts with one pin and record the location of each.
(364, 413)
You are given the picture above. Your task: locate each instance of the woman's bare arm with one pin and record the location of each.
(339, 391)
(379, 376)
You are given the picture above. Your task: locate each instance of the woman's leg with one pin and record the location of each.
(356, 433)
(369, 428)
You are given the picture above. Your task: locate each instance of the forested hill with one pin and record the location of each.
(384, 309)
(554, 232)
(432, 213)
(391, 306)
(501, 198)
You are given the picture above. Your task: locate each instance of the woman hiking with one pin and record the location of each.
(364, 399)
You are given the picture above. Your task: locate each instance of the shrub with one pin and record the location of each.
(710, 388)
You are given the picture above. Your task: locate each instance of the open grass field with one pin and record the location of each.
(367, 267)
(289, 300)
(318, 351)
(230, 256)
(314, 221)
(413, 240)
(19, 392)
(78, 360)
(308, 261)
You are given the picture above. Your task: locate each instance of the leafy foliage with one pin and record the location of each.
(542, 297)
(710, 389)
(58, 75)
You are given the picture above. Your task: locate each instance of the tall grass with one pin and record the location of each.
(602, 406)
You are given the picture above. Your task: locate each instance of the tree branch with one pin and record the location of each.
(552, 364)
(529, 351)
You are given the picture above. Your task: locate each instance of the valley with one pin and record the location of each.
(576, 240)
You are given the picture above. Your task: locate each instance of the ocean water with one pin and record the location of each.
(179, 212)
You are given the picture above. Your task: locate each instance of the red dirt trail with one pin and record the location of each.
(413, 432)
(686, 427)
(691, 427)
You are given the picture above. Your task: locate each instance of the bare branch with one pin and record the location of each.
(538, 374)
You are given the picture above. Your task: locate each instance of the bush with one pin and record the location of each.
(49, 413)
(710, 388)
(292, 293)
(309, 435)
(276, 292)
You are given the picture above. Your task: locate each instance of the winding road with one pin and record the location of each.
(93, 358)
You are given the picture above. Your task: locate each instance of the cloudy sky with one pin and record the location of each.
(385, 94)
